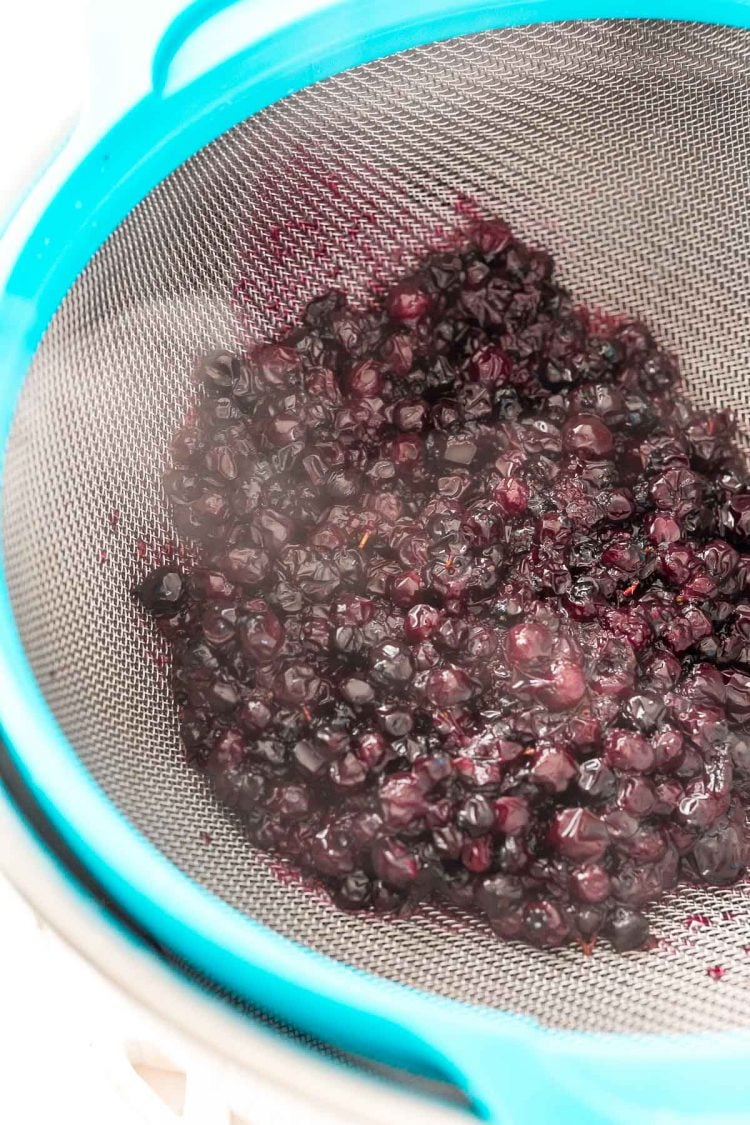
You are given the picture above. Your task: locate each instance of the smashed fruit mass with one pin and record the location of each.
(467, 616)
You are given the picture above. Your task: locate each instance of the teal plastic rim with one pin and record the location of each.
(185, 88)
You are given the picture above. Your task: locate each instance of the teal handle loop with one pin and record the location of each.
(131, 43)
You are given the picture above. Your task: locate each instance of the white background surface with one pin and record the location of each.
(50, 1069)
(41, 76)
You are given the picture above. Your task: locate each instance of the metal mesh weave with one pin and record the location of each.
(624, 149)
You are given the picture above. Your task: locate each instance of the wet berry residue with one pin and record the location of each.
(468, 613)
(697, 921)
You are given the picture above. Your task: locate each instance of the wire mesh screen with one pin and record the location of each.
(624, 148)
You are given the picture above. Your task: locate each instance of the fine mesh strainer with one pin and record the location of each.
(622, 146)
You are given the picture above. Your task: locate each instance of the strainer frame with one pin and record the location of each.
(110, 163)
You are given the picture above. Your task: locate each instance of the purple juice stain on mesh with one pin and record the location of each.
(468, 618)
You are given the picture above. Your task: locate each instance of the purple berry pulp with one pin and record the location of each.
(468, 614)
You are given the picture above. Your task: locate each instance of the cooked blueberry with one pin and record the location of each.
(163, 590)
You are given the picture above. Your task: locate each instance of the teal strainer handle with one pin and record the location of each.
(133, 45)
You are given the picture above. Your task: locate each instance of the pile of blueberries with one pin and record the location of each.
(468, 618)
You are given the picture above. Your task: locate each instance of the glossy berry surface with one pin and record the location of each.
(467, 616)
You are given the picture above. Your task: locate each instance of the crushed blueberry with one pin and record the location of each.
(467, 616)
